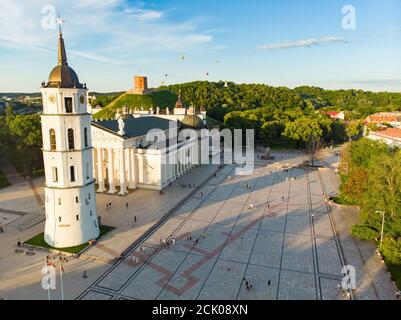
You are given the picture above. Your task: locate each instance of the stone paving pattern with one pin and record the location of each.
(287, 239)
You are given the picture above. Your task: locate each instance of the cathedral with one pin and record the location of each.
(126, 158)
(82, 156)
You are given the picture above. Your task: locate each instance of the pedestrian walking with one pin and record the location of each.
(85, 276)
(126, 205)
(134, 218)
(269, 283)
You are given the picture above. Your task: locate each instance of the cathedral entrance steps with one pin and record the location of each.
(27, 221)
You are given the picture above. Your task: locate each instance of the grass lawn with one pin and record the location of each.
(161, 99)
(39, 241)
(3, 180)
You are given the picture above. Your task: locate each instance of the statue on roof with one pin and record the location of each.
(121, 126)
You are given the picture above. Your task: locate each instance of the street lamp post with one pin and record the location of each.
(382, 230)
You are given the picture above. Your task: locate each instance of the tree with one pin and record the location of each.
(354, 129)
(308, 129)
(26, 130)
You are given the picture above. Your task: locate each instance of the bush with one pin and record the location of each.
(364, 232)
(391, 250)
(3, 180)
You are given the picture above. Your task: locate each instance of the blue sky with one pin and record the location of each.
(277, 42)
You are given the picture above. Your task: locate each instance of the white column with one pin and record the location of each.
(111, 171)
(100, 170)
(123, 185)
(94, 167)
(134, 169)
(179, 164)
(130, 176)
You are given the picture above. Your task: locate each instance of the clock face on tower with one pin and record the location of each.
(52, 98)
(81, 99)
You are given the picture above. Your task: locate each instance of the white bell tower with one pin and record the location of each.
(71, 218)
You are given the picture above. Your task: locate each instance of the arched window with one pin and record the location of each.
(72, 174)
(71, 144)
(86, 137)
(87, 171)
(55, 174)
(68, 105)
(52, 135)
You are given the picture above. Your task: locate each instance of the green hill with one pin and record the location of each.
(161, 99)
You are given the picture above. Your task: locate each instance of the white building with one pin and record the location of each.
(126, 158)
(67, 151)
(389, 136)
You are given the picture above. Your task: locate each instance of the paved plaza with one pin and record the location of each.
(272, 228)
(285, 246)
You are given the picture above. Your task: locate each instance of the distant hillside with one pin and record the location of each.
(161, 99)
(19, 94)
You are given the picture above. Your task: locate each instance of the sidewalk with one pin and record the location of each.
(373, 280)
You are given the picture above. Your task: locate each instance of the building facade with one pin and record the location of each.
(389, 136)
(128, 156)
(70, 200)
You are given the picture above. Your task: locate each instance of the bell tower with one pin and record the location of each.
(71, 218)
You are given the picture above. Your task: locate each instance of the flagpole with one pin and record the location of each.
(61, 281)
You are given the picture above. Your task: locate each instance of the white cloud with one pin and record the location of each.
(220, 47)
(93, 56)
(100, 30)
(148, 15)
(303, 43)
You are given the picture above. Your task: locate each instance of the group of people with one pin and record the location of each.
(184, 185)
(248, 286)
(167, 243)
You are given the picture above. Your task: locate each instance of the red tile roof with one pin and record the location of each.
(333, 113)
(392, 133)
